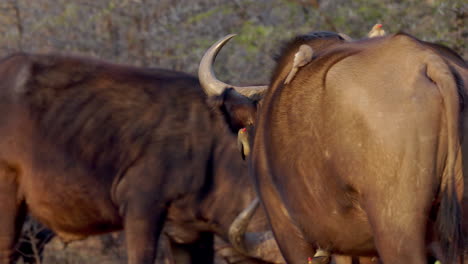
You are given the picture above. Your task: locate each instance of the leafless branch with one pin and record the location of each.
(19, 23)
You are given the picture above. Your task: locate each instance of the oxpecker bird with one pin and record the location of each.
(376, 31)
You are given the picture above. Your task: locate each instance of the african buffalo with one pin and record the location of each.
(88, 147)
(360, 152)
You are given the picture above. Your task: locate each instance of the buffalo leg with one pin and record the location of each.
(295, 249)
(12, 214)
(165, 254)
(342, 259)
(368, 260)
(290, 240)
(143, 211)
(400, 228)
(142, 229)
(200, 251)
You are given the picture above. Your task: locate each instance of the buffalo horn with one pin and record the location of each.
(260, 245)
(210, 84)
(239, 225)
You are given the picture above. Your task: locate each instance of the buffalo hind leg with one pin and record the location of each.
(343, 259)
(294, 248)
(399, 228)
(12, 213)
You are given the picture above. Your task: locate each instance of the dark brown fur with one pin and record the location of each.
(89, 147)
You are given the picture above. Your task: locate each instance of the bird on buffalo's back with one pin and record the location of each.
(376, 31)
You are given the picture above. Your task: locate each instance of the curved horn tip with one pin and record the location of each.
(210, 84)
(221, 42)
(208, 81)
(239, 226)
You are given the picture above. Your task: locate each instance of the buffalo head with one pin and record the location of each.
(238, 104)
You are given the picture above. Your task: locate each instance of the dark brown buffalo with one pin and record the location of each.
(360, 153)
(89, 147)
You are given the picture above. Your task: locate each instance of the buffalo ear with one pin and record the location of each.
(238, 111)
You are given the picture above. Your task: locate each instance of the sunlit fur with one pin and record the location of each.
(333, 173)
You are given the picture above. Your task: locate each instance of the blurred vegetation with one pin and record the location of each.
(174, 34)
